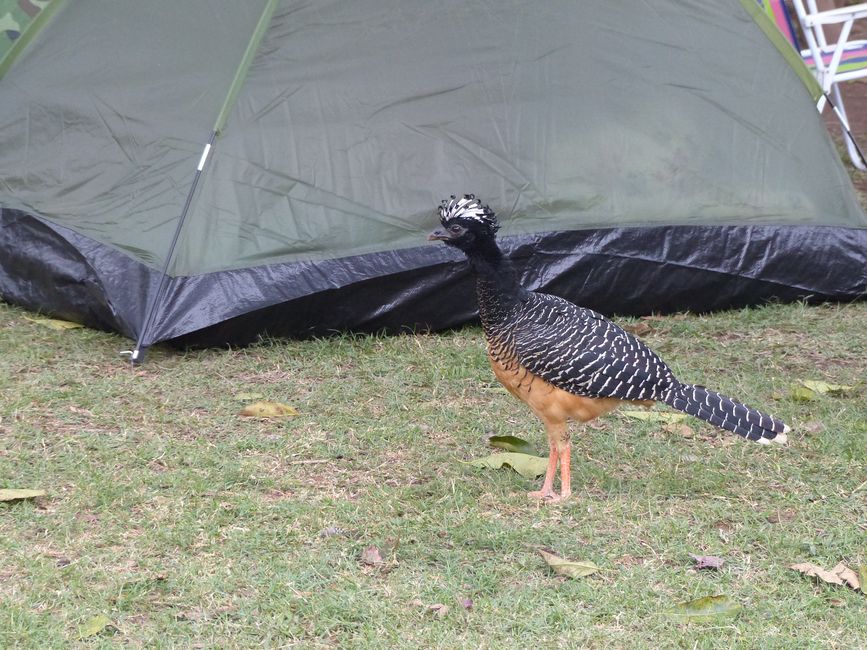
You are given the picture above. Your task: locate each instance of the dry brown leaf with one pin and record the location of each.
(847, 575)
(839, 575)
(641, 328)
(707, 561)
(810, 569)
(680, 429)
(438, 609)
(372, 556)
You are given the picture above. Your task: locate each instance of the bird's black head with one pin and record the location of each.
(466, 223)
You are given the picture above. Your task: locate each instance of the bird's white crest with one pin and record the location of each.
(467, 207)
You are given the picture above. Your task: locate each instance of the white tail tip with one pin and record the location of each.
(780, 439)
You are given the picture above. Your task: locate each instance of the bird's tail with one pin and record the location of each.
(726, 413)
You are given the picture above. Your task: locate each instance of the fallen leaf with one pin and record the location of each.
(680, 429)
(802, 394)
(807, 568)
(247, 397)
(526, 465)
(847, 575)
(467, 604)
(824, 388)
(639, 329)
(268, 410)
(93, 626)
(55, 323)
(15, 495)
(656, 416)
(568, 568)
(707, 561)
(511, 443)
(709, 608)
(371, 556)
(808, 390)
(438, 609)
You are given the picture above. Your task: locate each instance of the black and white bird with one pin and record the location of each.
(571, 363)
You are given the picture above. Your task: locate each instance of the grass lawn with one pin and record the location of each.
(186, 525)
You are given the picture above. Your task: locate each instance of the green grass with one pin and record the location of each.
(189, 526)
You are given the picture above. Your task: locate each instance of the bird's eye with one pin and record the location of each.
(455, 228)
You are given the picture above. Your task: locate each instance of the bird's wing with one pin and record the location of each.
(582, 352)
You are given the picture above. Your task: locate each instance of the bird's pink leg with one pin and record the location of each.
(560, 450)
(547, 491)
(565, 472)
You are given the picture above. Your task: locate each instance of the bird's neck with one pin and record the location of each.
(499, 290)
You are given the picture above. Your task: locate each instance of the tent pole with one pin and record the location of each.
(845, 124)
(138, 353)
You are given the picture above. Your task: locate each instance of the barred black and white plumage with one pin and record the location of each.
(568, 362)
(582, 352)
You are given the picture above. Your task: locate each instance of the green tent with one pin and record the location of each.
(208, 170)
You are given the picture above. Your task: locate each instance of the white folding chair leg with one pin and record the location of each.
(854, 155)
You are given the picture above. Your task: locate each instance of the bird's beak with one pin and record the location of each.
(438, 235)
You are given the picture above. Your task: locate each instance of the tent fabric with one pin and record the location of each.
(671, 141)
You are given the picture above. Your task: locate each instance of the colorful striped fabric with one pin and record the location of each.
(779, 13)
(854, 55)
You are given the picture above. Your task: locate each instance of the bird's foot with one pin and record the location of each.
(548, 496)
